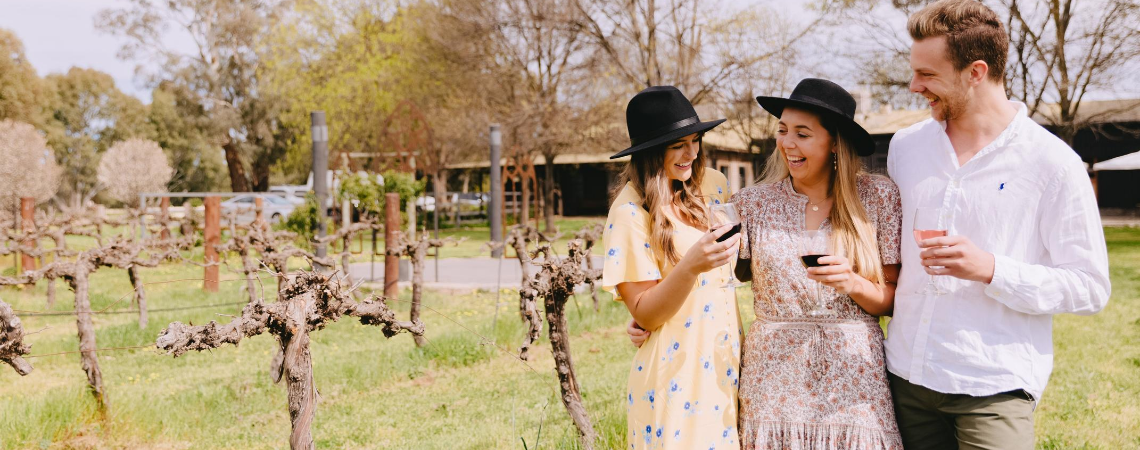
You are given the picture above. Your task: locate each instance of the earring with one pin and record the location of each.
(834, 162)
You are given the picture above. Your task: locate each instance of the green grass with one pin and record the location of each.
(458, 392)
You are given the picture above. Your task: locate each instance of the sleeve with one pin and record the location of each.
(1076, 280)
(889, 226)
(740, 199)
(625, 240)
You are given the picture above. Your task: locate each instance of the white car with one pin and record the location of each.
(244, 208)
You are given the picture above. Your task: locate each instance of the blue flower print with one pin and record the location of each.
(646, 245)
(648, 434)
(659, 430)
(677, 435)
(689, 322)
(651, 397)
(716, 200)
(688, 405)
(612, 252)
(719, 190)
(708, 306)
(672, 350)
(704, 282)
(631, 398)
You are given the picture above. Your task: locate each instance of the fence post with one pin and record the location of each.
(28, 218)
(213, 237)
(165, 217)
(496, 213)
(259, 207)
(391, 226)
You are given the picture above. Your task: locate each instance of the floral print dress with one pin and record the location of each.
(683, 381)
(810, 382)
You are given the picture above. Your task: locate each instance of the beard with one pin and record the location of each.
(953, 104)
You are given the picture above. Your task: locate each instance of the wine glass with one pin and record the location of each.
(726, 214)
(929, 223)
(815, 244)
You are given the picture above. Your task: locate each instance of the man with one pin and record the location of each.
(1024, 242)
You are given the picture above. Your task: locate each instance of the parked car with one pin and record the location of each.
(244, 208)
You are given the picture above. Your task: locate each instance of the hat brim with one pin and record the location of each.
(698, 127)
(860, 139)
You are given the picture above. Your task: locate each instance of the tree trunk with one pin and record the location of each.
(28, 222)
(238, 180)
(87, 346)
(564, 366)
(418, 285)
(298, 372)
(259, 174)
(250, 269)
(548, 193)
(140, 294)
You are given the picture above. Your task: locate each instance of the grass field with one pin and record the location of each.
(461, 391)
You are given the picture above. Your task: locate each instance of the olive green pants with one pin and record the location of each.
(931, 420)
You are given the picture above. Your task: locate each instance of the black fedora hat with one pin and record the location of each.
(658, 115)
(829, 99)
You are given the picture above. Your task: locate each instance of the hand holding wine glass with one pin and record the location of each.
(814, 246)
(725, 214)
(929, 223)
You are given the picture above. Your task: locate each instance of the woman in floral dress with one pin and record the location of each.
(667, 267)
(818, 382)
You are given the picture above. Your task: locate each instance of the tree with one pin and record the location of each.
(22, 92)
(695, 45)
(28, 169)
(180, 126)
(1060, 52)
(88, 114)
(133, 167)
(221, 75)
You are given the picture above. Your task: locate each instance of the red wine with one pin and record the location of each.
(731, 231)
(811, 260)
(922, 235)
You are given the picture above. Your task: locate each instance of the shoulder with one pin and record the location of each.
(909, 134)
(1047, 147)
(713, 182)
(877, 192)
(876, 184)
(626, 208)
(757, 191)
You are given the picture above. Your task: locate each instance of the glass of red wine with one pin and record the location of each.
(929, 223)
(815, 244)
(726, 214)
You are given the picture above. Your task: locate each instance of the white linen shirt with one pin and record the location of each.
(1026, 198)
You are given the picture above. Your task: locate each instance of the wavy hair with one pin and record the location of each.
(852, 232)
(646, 172)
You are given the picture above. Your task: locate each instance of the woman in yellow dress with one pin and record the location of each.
(667, 267)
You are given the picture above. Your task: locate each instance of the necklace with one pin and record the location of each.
(815, 206)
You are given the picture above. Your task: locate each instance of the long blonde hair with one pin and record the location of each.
(646, 172)
(852, 232)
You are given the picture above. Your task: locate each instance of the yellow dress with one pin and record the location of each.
(683, 382)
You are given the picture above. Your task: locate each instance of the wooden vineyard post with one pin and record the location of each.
(555, 283)
(259, 207)
(391, 230)
(165, 207)
(213, 236)
(309, 303)
(28, 217)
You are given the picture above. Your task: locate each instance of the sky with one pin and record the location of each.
(59, 34)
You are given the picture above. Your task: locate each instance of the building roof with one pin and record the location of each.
(884, 121)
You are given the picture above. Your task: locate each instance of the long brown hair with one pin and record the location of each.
(646, 172)
(852, 233)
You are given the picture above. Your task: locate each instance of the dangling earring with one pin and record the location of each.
(835, 162)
